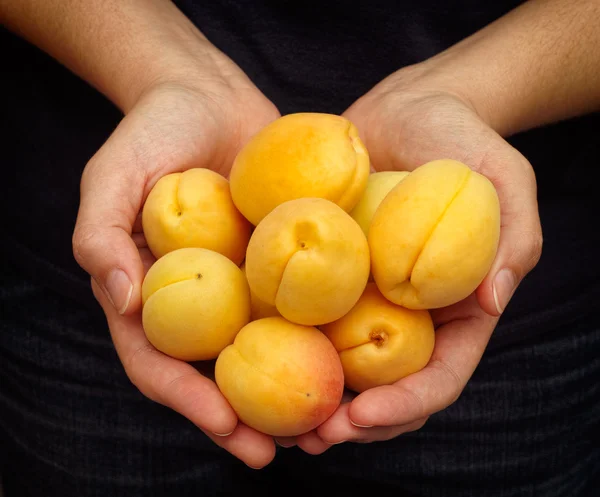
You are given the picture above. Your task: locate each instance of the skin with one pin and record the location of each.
(462, 104)
(185, 105)
(536, 65)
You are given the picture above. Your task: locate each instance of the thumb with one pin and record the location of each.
(520, 244)
(110, 199)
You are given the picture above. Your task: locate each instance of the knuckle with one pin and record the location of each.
(414, 399)
(135, 366)
(174, 387)
(417, 425)
(83, 243)
(534, 246)
(451, 380)
(131, 363)
(421, 423)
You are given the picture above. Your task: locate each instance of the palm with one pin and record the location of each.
(170, 130)
(403, 130)
(176, 129)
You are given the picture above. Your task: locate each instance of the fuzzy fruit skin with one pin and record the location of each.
(309, 259)
(380, 342)
(300, 155)
(281, 378)
(435, 235)
(194, 303)
(194, 209)
(378, 186)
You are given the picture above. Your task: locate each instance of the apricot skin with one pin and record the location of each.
(259, 309)
(309, 259)
(380, 342)
(281, 378)
(378, 186)
(300, 155)
(194, 209)
(194, 302)
(435, 235)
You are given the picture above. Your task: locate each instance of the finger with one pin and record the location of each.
(340, 429)
(147, 259)
(173, 383)
(520, 244)
(458, 349)
(383, 433)
(286, 442)
(255, 449)
(111, 189)
(250, 446)
(311, 443)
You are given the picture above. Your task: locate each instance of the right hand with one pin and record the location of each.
(171, 128)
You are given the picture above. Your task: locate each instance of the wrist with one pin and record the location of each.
(172, 55)
(175, 68)
(121, 48)
(531, 67)
(431, 80)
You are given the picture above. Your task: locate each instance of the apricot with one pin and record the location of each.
(380, 342)
(435, 235)
(259, 309)
(378, 186)
(309, 259)
(195, 301)
(281, 378)
(194, 209)
(300, 155)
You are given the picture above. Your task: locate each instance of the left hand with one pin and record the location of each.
(404, 127)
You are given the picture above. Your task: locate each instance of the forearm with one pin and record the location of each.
(121, 47)
(538, 64)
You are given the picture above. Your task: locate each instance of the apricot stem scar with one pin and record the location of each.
(378, 337)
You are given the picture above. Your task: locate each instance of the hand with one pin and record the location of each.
(171, 128)
(404, 128)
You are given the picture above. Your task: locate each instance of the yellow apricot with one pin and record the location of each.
(309, 259)
(195, 301)
(380, 342)
(378, 186)
(435, 235)
(259, 309)
(300, 155)
(194, 209)
(281, 378)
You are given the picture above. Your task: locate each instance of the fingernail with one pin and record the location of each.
(223, 434)
(252, 467)
(119, 289)
(336, 443)
(361, 426)
(504, 287)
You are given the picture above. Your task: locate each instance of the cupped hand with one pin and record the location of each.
(404, 127)
(171, 128)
